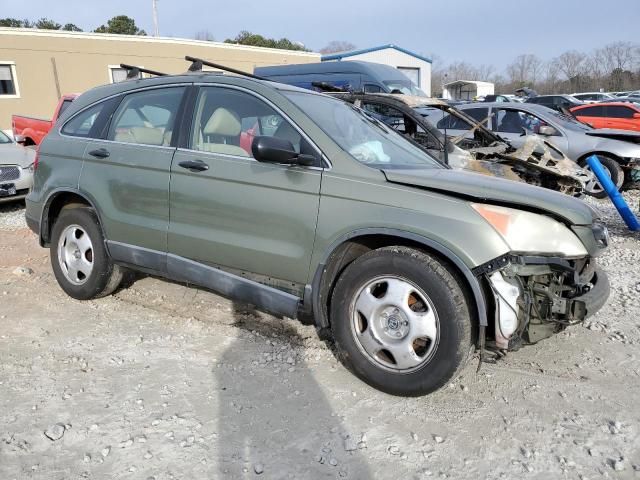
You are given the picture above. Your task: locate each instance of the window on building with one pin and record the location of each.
(119, 74)
(8, 79)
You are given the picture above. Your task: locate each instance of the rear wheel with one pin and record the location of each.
(613, 169)
(79, 258)
(401, 321)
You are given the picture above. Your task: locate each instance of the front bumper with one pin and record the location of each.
(13, 189)
(535, 297)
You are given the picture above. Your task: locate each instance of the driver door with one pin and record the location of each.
(230, 211)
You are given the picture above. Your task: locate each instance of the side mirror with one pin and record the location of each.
(636, 115)
(21, 139)
(547, 131)
(276, 150)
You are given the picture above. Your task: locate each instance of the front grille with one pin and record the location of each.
(9, 173)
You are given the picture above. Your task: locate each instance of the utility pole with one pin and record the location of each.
(155, 18)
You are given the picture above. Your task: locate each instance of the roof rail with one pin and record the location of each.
(197, 63)
(134, 72)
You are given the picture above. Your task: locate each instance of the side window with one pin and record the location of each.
(590, 112)
(226, 121)
(87, 123)
(618, 111)
(508, 121)
(63, 107)
(370, 88)
(479, 115)
(388, 115)
(146, 117)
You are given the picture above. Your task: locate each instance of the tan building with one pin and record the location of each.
(38, 66)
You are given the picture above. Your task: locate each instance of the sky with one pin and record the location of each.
(489, 32)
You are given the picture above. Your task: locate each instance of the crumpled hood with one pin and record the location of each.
(12, 154)
(483, 188)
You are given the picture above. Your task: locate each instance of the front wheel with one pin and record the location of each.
(613, 169)
(79, 258)
(401, 321)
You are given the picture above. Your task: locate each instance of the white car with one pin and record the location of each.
(16, 169)
(592, 97)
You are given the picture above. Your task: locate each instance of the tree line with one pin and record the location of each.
(614, 67)
(120, 25)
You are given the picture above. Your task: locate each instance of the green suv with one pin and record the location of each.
(306, 207)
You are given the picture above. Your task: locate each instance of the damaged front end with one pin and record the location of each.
(535, 297)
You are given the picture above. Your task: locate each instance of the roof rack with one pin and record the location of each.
(197, 63)
(134, 72)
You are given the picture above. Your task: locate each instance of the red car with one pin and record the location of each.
(618, 115)
(31, 131)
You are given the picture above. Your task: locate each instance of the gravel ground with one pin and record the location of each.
(163, 381)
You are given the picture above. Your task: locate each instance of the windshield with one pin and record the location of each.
(4, 138)
(366, 139)
(404, 86)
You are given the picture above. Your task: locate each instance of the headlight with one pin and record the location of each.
(530, 232)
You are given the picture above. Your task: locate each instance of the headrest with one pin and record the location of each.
(223, 122)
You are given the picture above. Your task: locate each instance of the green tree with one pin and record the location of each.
(12, 22)
(47, 24)
(248, 38)
(121, 25)
(71, 27)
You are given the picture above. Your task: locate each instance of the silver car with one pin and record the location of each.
(618, 150)
(16, 169)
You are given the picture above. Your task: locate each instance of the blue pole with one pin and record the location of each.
(615, 196)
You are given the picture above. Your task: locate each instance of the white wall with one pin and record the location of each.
(395, 58)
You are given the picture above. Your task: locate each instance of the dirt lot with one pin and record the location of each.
(164, 381)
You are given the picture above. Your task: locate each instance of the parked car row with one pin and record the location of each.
(313, 207)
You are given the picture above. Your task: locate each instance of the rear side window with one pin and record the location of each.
(63, 107)
(86, 123)
(590, 112)
(478, 114)
(147, 117)
(618, 111)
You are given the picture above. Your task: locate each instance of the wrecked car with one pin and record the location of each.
(307, 207)
(474, 147)
(617, 150)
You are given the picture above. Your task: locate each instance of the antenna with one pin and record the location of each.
(197, 63)
(155, 18)
(134, 72)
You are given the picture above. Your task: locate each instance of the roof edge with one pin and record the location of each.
(143, 38)
(351, 53)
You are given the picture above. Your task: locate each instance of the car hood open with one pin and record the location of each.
(483, 188)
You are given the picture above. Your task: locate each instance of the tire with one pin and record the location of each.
(613, 169)
(423, 358)
(79, 258)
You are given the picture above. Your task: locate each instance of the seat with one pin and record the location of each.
(141, 135)
(224, 125)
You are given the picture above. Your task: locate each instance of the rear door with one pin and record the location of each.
(620, 116)
(127, 174)
(229, 210)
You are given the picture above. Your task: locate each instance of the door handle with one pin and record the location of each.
(100, 153)
(194, 165)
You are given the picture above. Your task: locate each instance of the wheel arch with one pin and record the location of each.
(583, 158)
(350, 246)
(56, 201)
